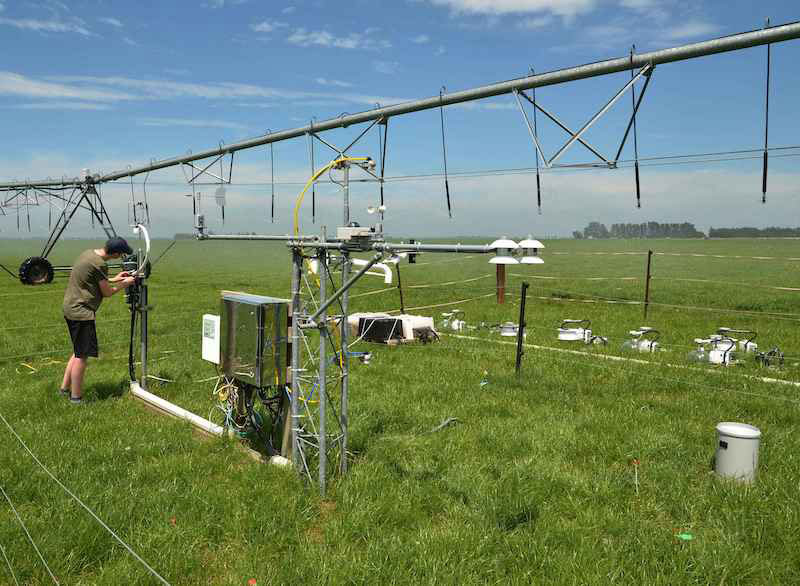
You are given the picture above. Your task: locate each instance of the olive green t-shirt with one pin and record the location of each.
(83, 296)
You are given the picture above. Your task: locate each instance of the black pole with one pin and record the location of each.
(313, 171)
(536, 136)
(635, 138)
(521, 328)
(444, 158)
(400, 289)
(383, 152)
(766, 129)
(647, 283)
(272, 180)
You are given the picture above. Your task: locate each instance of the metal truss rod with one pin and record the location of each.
(562, 126)
(775, 34)
(597, 116)
(392, 247)
(632, 120)
(401, 247)
(531, 131)
(282, 238)
(349, 283)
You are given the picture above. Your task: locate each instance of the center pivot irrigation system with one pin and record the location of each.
(258, 335)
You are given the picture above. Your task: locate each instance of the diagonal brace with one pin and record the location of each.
(648, 75)
(531, 131)
(566, 129)
(342, 152)
(205, 170)
(597, 116)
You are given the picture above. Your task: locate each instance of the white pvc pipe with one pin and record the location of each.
(386, 271)
(178, 412)
(195, 420)
(386, 274)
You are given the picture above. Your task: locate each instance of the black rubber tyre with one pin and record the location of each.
(36, 270)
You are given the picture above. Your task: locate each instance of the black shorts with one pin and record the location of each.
(84, 337)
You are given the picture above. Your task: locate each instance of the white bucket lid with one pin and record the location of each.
(740, 430)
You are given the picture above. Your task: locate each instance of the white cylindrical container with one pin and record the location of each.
(737, 450)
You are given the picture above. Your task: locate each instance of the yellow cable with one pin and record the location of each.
(299, 202)
(311, 181)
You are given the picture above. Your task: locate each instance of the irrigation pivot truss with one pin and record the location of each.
(641, 61)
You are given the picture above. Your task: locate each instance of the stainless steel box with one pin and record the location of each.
(254, 338)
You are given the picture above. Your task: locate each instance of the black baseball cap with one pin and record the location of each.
(118, 245)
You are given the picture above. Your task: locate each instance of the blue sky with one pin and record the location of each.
(104, 85)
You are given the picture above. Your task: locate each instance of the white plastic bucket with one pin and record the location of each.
(737, 450)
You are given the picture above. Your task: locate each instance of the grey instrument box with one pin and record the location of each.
(254, 338)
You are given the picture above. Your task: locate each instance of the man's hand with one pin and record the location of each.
(123, 283)
(119, 277)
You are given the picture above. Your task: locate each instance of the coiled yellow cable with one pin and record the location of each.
(311, 181)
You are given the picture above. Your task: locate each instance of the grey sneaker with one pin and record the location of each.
(74, 401)
(64, 392)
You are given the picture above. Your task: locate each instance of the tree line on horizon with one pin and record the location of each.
(599, 231)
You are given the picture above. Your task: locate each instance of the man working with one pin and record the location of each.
(88, 285)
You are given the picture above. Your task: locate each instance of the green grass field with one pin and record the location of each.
(534, 483)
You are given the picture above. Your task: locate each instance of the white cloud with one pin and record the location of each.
(223, 3)
(288, 10)
(63, 106)
(421, 39)
(267, 26)
(254, 105)
(386, 67)
(2, 7)
(626, 29)
(306, 38)
(164, 89)
(190, 122)
(130, 41)
(47, 26)
(638, 4)
(146, 89)
(564, 8)
(718, 196)
(535, 23)
(111, 21)
(688, 30)
(333, 82)
(440, 50)
(19, 85)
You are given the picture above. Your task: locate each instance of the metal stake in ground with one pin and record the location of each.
(400, 286)
(647, 283)
(521, 328)
(501, 284)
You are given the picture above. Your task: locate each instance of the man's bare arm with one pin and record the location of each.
(107, 289)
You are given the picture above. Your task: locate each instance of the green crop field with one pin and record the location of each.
(534, 482)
